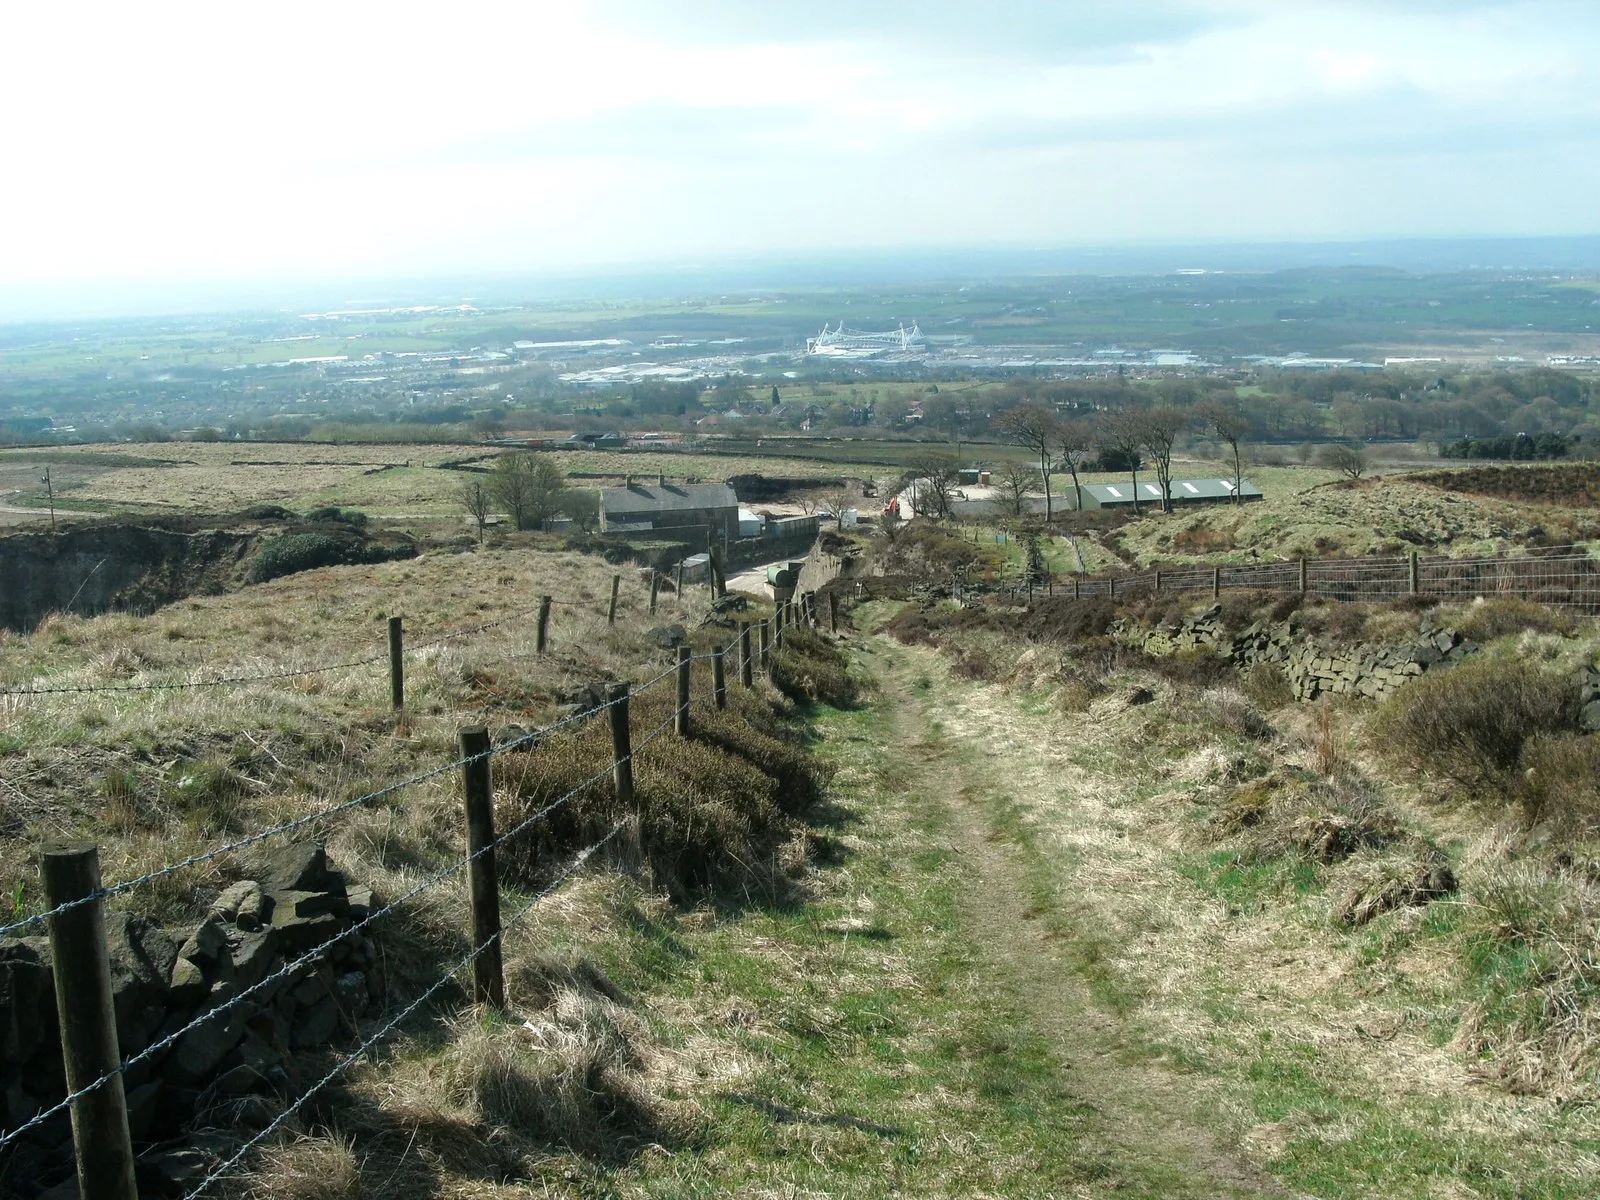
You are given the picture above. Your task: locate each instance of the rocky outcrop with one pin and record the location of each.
(1314, 666)
(163, 979)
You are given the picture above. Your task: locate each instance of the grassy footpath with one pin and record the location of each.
(854, 1045)
(1279, 1030)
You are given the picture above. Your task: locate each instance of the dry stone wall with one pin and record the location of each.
(1313, 665)
(162, 979)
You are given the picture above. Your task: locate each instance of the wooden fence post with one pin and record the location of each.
(88, 1023)
(543, 634)
(1303, 578)
(1416, 573)
(1111, 588)
(833, 612)
(680, 583)
(488, 975)
(611, 613)
(1216, 583)
(680, 719)
(1158, 579)
(655, 586)
(1077, 587)
(397, 665)
(766, 644)
(621, 743)
(746, 665)
(719, 678)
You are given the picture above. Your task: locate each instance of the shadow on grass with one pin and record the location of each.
(784, 1115)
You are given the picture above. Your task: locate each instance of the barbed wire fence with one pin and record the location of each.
(75, 920)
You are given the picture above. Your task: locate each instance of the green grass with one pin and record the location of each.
(880, 1063)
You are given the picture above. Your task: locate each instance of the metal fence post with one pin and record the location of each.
(680, 719)
(746, 664)
(719, 678)
(488, 975)
(88, 1022)
(397, 664)
(611, 613)
(543, 634)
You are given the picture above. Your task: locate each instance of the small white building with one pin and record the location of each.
(750, 522)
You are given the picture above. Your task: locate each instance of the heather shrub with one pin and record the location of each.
(1469, 724)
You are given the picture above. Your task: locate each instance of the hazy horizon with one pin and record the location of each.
(197, 151)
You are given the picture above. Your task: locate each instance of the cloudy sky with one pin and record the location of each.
(168, 142)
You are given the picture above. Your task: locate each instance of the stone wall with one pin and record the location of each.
(163, 978)
(1314, 666)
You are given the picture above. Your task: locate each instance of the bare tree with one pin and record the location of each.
(1075, 441)
(1036, 428)
(1123, 435)
(933, 480)
(1161, 429)
(835, 504)
(582, 506)
(1013, 486)
(1350, 460)
(1231, 428)
(528, 487)
(475, 498)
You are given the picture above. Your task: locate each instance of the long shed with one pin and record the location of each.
(1184, 491)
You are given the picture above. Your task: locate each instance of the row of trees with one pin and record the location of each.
(530, 489)
(1130, 436)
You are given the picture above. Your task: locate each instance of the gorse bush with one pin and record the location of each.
(290, 553)
(1470, 724)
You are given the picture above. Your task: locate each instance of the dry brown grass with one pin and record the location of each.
(308, 1168)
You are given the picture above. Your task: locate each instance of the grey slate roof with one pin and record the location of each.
(674, 497)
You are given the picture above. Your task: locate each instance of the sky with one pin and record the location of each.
(166, 143)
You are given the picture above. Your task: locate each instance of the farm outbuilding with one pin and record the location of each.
(1184, 491)
(666, 506)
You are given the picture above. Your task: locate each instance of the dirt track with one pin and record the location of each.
(1153, 1111)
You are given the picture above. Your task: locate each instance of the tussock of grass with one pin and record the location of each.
(1560, 785)
(308, 1168)
(1529, 945)
(1486, 620)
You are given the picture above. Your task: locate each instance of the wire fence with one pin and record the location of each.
(238, 677)
(79, 1012)
(1567, 579)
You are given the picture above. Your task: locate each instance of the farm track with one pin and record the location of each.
(1151, 1114)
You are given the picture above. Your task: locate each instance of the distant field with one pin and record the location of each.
(198, 477)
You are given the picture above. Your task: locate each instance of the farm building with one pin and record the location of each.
(672, 508)
(1184, 491)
